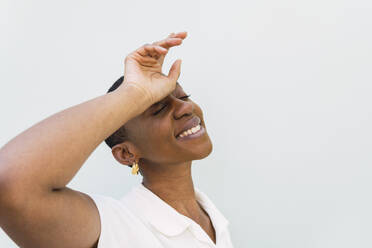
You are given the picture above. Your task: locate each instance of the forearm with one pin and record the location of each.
(50, 153)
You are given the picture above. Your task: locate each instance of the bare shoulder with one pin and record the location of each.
(60, 218)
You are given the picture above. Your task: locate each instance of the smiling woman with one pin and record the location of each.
(120, 135)
(148, 121)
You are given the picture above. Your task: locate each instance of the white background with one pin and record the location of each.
(285, 87)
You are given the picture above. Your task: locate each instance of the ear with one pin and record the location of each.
(125, 153)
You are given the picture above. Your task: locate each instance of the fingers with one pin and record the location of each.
(150, 54)
(153, 51)
(173, 39)
(181, 35)
(175, 70)
(168, 42)
(144, 61)
(161, 47)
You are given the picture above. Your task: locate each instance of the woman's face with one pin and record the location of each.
(155, 132)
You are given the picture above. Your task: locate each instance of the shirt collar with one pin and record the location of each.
(165, 218)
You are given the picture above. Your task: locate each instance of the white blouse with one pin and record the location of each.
(141, 220)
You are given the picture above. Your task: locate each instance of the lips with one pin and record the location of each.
(193, 122)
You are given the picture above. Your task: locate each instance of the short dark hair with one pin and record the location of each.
(121, 134)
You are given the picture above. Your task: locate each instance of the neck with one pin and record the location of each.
(174, 185)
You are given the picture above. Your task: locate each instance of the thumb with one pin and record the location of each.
(175, 70)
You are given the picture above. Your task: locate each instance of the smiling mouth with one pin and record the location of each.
(198, 131)
(190, 126)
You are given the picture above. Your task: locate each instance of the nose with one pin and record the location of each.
(182, 107)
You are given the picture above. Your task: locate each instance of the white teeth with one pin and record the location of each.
(190, 131)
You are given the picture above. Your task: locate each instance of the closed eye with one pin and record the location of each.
(183, 97)
(187, 96)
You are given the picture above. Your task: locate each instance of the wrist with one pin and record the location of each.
(134, 98)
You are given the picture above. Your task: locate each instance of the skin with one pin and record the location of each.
(37, 209)
(165, 162)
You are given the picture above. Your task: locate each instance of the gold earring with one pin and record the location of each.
(135, 168)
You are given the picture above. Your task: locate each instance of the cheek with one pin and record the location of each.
(157, 133)
(157, 140)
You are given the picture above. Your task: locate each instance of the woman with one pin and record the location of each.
(143, 118)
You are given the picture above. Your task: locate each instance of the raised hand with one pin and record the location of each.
(143, 69)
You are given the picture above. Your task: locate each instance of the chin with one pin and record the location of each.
(204, 150)
(209, 151)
